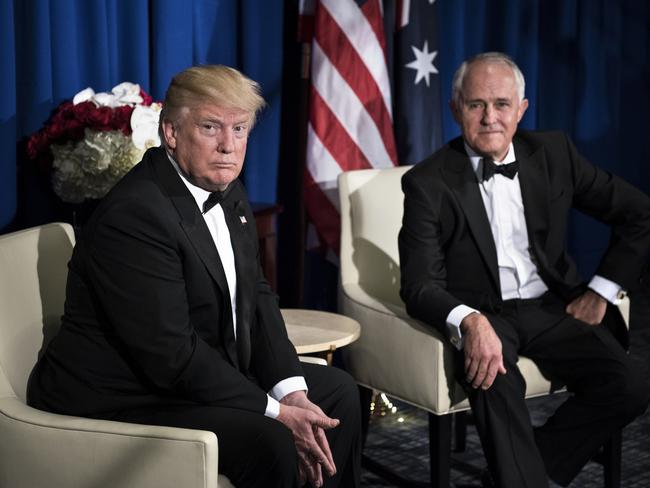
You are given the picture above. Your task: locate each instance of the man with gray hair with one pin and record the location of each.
(169, 320)
(484, 259)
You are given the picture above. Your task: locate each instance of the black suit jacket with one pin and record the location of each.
(148, 317)
(447, 251)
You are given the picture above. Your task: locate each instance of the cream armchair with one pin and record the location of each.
(40, 449)
(396, 354)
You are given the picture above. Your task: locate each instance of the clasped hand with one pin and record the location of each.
(308, 423)
(589, 307)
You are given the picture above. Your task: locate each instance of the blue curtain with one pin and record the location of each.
(586, 64)
(51, 49)
(7, 115)
(585, 61)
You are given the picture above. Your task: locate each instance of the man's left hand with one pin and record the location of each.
(589, 307)
(309, 467)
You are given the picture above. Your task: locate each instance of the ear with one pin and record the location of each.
(523, 105)
(169, 132)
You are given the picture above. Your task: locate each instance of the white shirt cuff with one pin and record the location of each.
(272, 407)
(453, 321)
(607, 289)
(279, 391)
(288, 385)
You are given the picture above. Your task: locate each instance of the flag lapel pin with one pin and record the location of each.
(243, 220)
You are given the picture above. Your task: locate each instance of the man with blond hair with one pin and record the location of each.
(169, 320)
(484, 259)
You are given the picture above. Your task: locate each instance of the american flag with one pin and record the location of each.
(351, 121)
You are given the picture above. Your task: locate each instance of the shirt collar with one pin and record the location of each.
(200, 195)
(475, 159)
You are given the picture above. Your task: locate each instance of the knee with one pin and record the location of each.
(346, 395)
(635, 396)
(278, 456)
(507, 385)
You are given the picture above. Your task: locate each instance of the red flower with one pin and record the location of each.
(122, 119)
(146, 98)
(74, 130)
(63, 112)
(37, 143)
(100, 118)
(82, 111)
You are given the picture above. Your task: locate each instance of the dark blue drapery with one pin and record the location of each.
(586, 63)
(51, 49)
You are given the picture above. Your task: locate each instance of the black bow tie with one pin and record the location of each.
(490, 168)
(214, 198)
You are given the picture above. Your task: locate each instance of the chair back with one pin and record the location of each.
(33, 273)
(371, 217)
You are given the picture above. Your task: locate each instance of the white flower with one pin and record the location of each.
(104, 99)
(123, 94)
(83, 96)
(144, 123)
(126, 94)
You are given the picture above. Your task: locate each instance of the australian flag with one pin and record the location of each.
(412, 52)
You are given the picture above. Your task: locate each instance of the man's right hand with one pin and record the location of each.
(313, 452)
(483, 357)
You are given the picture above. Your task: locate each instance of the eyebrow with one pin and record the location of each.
(219, 120)
(482, 100)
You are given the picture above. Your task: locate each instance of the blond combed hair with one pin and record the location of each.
(217, 84)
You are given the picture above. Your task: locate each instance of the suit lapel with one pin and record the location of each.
(199, 236)
(535, 193)
(460, 177)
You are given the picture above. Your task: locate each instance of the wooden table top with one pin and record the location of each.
(316, 331)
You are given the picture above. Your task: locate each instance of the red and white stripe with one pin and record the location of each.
(350, 114)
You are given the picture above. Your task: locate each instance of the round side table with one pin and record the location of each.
(314, 331)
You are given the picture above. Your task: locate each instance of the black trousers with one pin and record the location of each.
(257, 451)
(607, 394)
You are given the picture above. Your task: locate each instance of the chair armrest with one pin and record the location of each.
(312, 360)
(80, 452)
(411, 361)
(398, 354)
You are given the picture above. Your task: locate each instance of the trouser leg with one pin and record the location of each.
(607, 391)
(254, 450)
(503, 422)
(257, 451)
(336, 393)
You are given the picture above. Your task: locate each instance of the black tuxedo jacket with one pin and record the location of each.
(148, 316)
(447, 252)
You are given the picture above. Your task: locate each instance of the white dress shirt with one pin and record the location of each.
(216, 222)
(518, 274)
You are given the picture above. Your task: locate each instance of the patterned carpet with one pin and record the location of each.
(399, 442)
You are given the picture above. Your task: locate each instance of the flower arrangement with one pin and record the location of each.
(93, 140)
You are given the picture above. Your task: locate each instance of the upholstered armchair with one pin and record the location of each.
(41, 449)
(396, 354)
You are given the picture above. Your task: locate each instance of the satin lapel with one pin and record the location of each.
(535, 193)
(199, 236)
(242, 238)
(460, 177)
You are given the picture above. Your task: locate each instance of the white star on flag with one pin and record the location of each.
(423, 63)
